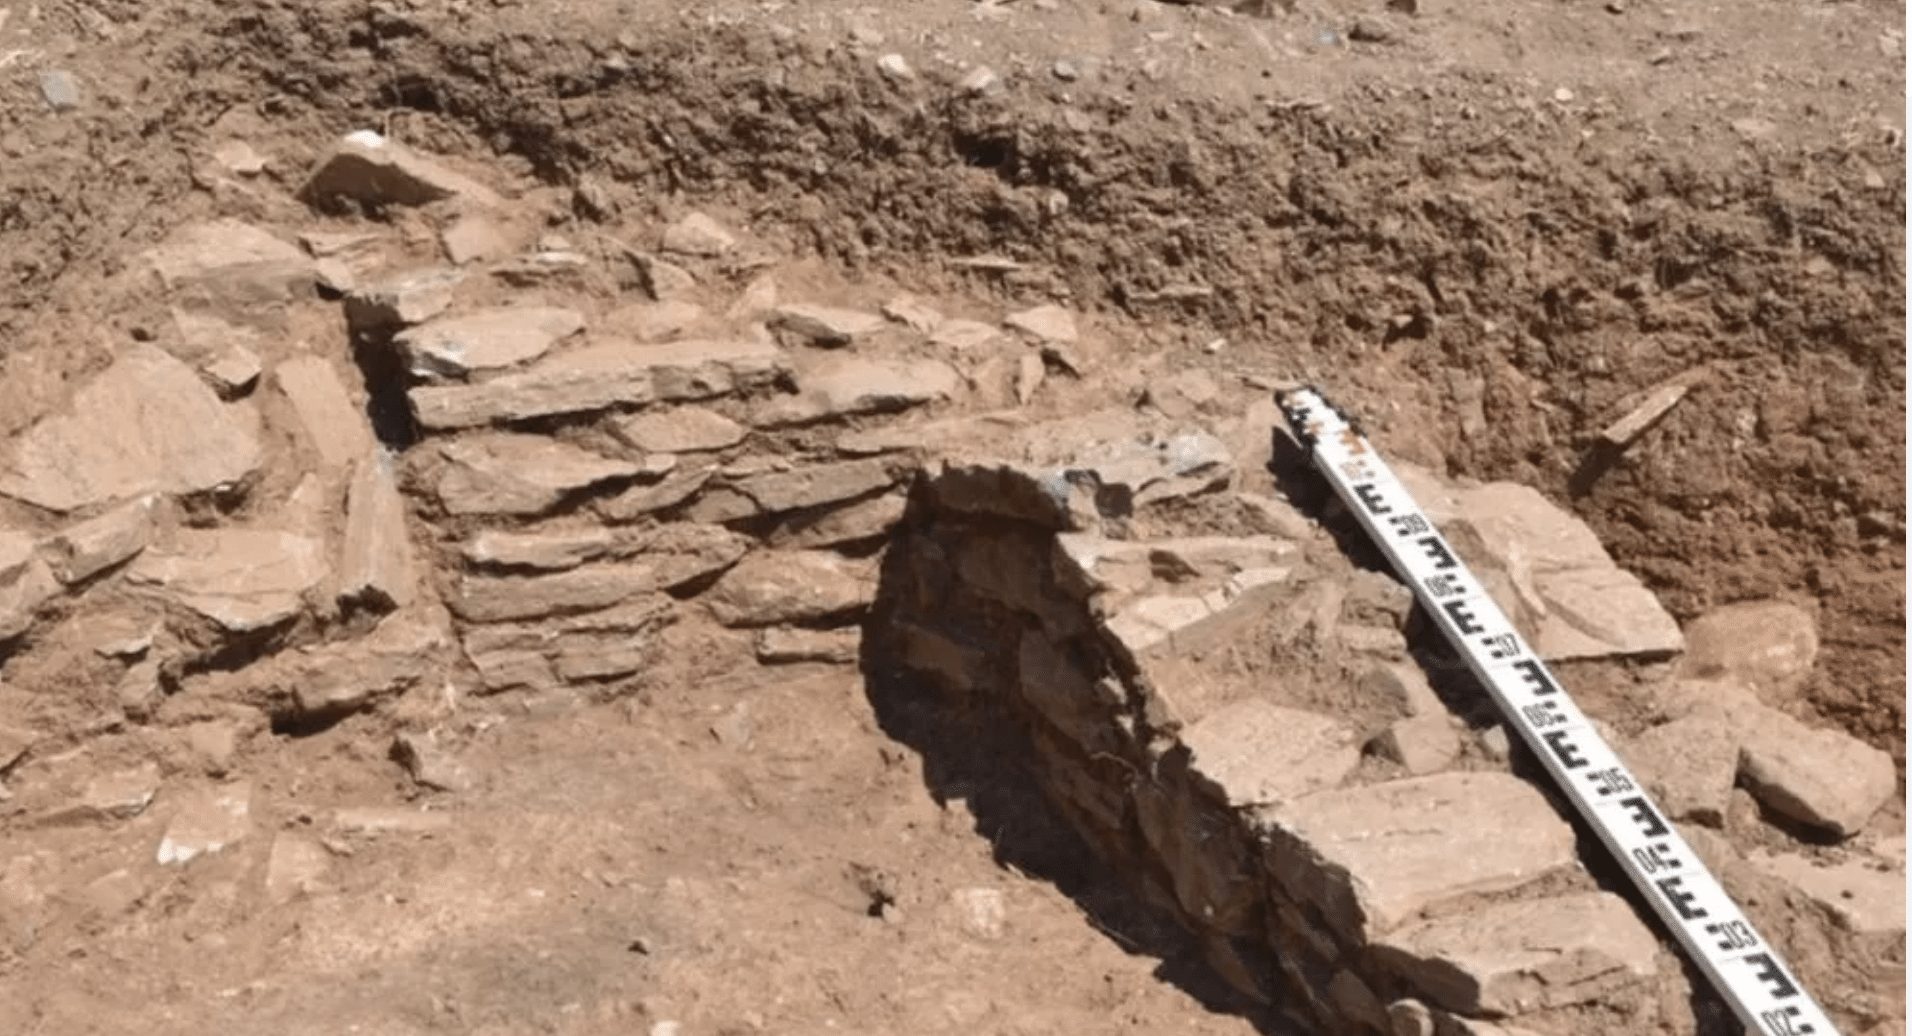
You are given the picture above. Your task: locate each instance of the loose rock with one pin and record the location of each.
(1512, 958)
(688, 429)
(780, 646)
(853, 385)
(777, 587)
(401, 300)
(295, 866)
(1421, 744)
(370, 169)
(234, 372)
(486, 339)
(913, 313)
(205, 823)
(1821, 778)
(1368, 858)
(505, 473)
(1257, 753)
(337, 430)
(1402, 687)
(82, 551)
(114, 795)
(1864, 896)
(475, 238)
(656, 321)
(375, 563)
(1641, 419)
(1048, 323)
(544, 551)
(600, 377)
(428, 763)
(591, 587)
(1689, 765)
(229, 264)
(60, 90)
(965, 335)
(698, 235)
(147, 424)
(1767, 645)
(825, 325)
(241, 579)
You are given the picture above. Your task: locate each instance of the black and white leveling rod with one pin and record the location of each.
(1710, 927)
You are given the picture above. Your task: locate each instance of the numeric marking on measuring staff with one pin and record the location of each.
(1705, 921)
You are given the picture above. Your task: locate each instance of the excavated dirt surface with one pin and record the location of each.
(1488, 229)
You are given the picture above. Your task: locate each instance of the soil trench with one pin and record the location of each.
(508, 524)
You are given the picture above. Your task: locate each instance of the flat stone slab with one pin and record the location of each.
(375, 560)
(547, 551)
(777, 492)
(1864, 895)
(1372, 857)
(1767, 645)
(680, 554)
(505, 473)
(228, 261)
(775, 587)
(85, 549)
(240, 579)
(147, 424)
(825, 325)
(486, 339)
(1549, 573)
(1528, 955)
(599, 377)
(1689, 765)
(336, 427)
(1257, 753)
(1822, 778)
(686, 429)
(849, 386)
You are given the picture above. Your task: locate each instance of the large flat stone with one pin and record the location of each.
(1548, 571)
(599, 377)
(401, 652)
(206, 822)
(85, 549)
(777, 492)
(774, 587)
(1689, 765)
(147, 424)
(375, 561)
(1821, 778)
(1865, 896)
(229, 262)
(505, 473)
(680, 554)
(1527, 955)
(850, 386)
(1767, 645)
(240, 579)
(552, 551)
(688, 429)
(336, 427)
(1371, 857)
(1257, 753)
(486, 339)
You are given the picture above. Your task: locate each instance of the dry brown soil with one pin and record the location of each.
(1487, 228)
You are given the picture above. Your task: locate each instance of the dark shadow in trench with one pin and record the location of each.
(976, 751)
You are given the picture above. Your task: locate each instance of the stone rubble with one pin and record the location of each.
(454, 347)
(242, 580)
(85, 549)
(375, 560)
(825, 326)
(512, 474)
(146, 424)
(334, 426)
(368, 168)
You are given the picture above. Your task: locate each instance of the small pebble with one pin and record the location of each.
(60, 89)
(1563, 95)
(1065, 71)
(895, 67)
(979, 80)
